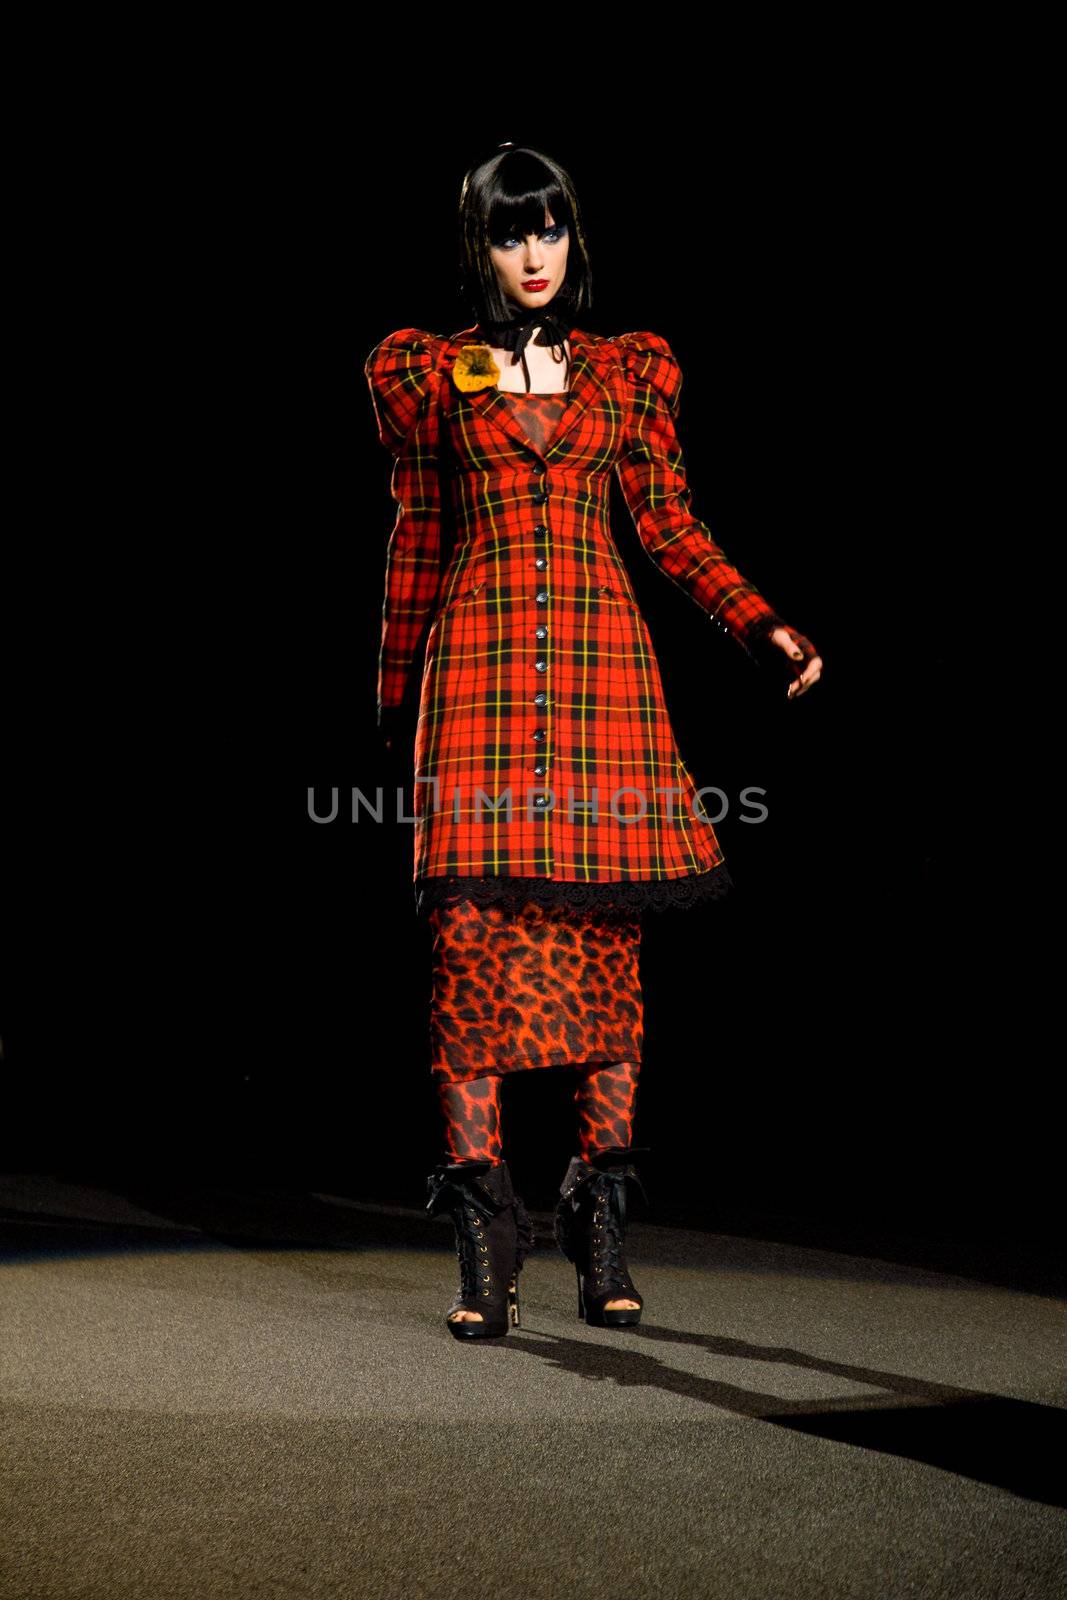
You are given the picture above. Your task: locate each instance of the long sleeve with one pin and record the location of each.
(403, 378)
(651, 472)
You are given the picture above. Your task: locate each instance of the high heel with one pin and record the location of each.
(494, 1236)
(590, 1228)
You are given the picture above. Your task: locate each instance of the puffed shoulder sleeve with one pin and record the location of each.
(652, 474)
(647, 358)
(402, 371)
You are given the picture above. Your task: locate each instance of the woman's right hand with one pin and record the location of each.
(395, 731)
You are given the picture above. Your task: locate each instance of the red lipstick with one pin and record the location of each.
(535, 284)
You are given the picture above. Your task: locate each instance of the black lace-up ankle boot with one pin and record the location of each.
(590, 1225)
(494, 1236)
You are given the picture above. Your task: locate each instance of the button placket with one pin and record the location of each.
(540, 699)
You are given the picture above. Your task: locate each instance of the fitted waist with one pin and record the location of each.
(515, 571)
(475, 491)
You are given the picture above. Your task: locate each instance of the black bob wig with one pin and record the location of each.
(508, 195)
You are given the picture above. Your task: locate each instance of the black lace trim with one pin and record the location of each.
(625, 897)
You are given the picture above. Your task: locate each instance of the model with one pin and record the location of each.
(552, 806)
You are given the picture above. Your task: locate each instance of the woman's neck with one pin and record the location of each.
(547, 370)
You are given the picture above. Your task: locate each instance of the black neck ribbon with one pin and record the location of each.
(553, 322)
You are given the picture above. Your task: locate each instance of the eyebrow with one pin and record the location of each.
(513, 233)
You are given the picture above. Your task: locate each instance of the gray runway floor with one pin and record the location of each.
(249, 1393)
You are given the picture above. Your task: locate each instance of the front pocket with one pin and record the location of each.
(615, 594)
(459, 596)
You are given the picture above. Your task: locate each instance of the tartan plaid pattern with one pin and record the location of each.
(651, 471)
(404, 380)
(544, 746)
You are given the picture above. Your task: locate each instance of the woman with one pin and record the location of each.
(552, 806)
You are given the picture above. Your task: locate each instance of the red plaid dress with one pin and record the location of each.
(545, 763)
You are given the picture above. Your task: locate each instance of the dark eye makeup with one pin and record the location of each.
(553, 234)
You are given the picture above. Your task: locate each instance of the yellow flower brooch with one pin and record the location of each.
(474, 368)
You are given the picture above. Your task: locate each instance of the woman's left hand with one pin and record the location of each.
(802, 655)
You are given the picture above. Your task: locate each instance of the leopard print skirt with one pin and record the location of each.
(540, 986)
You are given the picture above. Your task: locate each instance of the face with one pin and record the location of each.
(539, 258)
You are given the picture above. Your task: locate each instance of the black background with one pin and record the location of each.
(219, 987)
